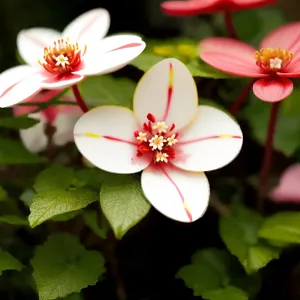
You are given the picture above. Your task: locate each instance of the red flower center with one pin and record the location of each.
(273, 60)
(158, 138)
(62, 57)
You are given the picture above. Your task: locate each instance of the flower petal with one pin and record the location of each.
(64, 124)
(34, 138)
(272, 89)
(167, 91)
(230, 56)
(41, 98)
(288, 189)
(286, 37)
(21, 91)
(108, 62)
(211, 141)
(247, 4)
(191, 8)
(61, 82)
(12, 76)
(178, 194)
(31, 43)
(88, 28)
(105, 136)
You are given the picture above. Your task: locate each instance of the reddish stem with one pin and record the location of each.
(79, 99)
(230, 25)
(241, 98)
(268, 154)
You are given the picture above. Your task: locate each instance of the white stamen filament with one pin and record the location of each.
(162, 157)
(275, 63)
(157, 142)
(171, 140)
(161, 127)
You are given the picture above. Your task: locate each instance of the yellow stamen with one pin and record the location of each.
(273, 59)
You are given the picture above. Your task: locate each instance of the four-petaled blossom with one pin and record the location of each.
(288, 189)
(196, 7)
(59, 60)
(62, 117)
(277, 60)
(196, 139)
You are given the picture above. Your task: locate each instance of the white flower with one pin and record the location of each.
(59, 60)
(207, 139)
(62, 117)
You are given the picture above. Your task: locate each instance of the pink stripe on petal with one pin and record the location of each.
(273, 89)
(186, 209)
(223, 136)
(131, 45)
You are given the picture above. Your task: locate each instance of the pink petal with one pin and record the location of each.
(292, 70)
(98, 62)
(61, 81)
(105, 137)
(288, 189)
(231, 56)
(41, 98)
(167, 91)
(210, 142)
(286, 37)
(31, 43)
(247, 4)
(272, 89)
(192, 7)
(178, 194)
(88, 28)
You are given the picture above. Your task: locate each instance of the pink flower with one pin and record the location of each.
(196, 7)
(277, 60)
(59, 60)
(288, 189)
(167, 136)
(62, 117)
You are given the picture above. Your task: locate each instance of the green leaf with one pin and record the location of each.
(214, 270)
(186, 50)
(107, 90)
(91, 220)
(62, 266)
(18, 123)
(123, 204)
(239, 231)
(228, 293)
(3, 194)
(13, 152)
(263, 21)
(208, 271)
(48, 204)
(54, 178)
(287, 133)
(27, 197)
(8, 262)
(282, 227)
(66, 216)
(13, 220)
